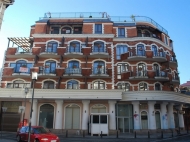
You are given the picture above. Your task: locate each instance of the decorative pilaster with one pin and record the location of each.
(59, 114)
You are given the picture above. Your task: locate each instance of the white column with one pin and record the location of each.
(59, 114)
(85, 114)
(136, 115)
(151, 114)
(180, 116)
(171, 123)
(34, 112)
(112, 120)
(164, 116)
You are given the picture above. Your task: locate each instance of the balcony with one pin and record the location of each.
(159, 56)
(99, 53)
(135, 56)
(21, 70)
(49, 53)
(173, 62)
(161, 76)
(99, 72)
(139, 75)
(44, 72)
(176, 80)
(21, 53)
(74, 72)
(73, 52)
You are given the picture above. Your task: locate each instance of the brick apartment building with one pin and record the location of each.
(94, 69)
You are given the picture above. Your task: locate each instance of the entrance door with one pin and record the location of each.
(144, 120)
(46, 116)
(124, 125)
(176, 119)
(72, 117)
(157, 117)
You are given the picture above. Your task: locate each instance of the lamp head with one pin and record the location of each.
(26, 90)
(34, 75)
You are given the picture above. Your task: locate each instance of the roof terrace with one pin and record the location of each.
(104, 15)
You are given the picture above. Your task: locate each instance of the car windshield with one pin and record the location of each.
(40, 130)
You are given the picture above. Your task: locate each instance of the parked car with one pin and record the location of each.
(38, 134)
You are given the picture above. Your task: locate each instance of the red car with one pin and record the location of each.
(38, 134)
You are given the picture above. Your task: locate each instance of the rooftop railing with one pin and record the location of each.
(86, 15)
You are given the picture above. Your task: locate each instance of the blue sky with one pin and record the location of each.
(173, 15)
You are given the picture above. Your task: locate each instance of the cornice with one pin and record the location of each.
(73, 35)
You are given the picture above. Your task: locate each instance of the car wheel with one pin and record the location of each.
(36, 140)
(18, 139)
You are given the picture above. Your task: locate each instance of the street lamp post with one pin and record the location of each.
(26, 90)
(4, 109)
(34, 78)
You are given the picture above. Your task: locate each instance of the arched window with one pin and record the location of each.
(154, 50)
(74, 47)
(142, 70)
(162, 53)
(72, 84)
(146, 34)
(157, 87)
(99, 85)
(54, 30)
(121, 49)
(66, 30)
(140, 50)
(156, 69)
(46, 116)
(122, 67)
(99, 67)
(50, 67)
(73, 68)
(124, 86)
(49, 85)
(18, 84)
(99, 47)
(139, 33)
(52, 46)
(143, 86)
(21, 66)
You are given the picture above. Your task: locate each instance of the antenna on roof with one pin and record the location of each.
(49, 14)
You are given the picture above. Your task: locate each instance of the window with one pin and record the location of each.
(99, 67)
(99, 85)
(73, 68)
(18, 84)
(157, 86)
(98, 47)
(156, 69)
(103, 119)
(166, 40)
(72, 85)
(121, 49)
(146, 34)
(52, 47)
(50, 67)
(139, 33)
(124, 86)
(98, 28)
(122, 67)
(74, 47)
(77, 30)
(154, 50)
(141, 69)
(142, 86)
(54, 30)
(140, 50)
(66, 30)
(96, 119)
(48, 85)
(121, 32)
(21, 66)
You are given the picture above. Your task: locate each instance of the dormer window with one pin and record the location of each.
(66, 30)
(54, 30)
(98, 28)
(146, 34)
(121, 32)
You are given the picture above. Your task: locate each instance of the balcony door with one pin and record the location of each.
(98, 47)
(144, 120)
(50, 67)
(73, 68)
(74, 47)
(99, 67)
(154, 50)
(52, 47)
(140, 50)
(156, 69)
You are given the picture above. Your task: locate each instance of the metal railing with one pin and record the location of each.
(141, 73)
(142, 53)
(159, 54)
(161, 74)
(73, 71)
(173, 59)
(44, 70)
(129, 19)
(99, 70)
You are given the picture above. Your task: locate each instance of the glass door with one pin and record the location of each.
(124, 125)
